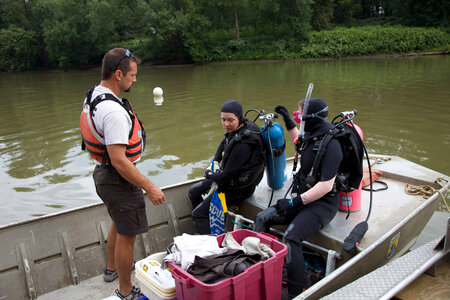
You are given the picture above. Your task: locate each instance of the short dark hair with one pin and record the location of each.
(117, 59)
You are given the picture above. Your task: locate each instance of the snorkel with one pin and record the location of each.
(301, 131)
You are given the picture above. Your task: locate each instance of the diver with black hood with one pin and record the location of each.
(238, 165)
(314, 201)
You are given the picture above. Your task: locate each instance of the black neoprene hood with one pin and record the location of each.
(233, 106)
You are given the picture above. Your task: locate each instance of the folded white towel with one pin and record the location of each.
(251, 245)
(187, 246)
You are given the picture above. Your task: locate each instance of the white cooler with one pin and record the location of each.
(155, 283)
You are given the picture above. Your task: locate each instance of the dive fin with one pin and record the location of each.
(353, 239)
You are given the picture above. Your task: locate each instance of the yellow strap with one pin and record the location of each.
(223, 201)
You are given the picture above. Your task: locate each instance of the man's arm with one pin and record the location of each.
(293, 133)
(128, 171)
(318, 191)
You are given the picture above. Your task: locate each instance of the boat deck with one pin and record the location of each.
(93, 288)
(61, 255)
(389, 207)
(96, 288)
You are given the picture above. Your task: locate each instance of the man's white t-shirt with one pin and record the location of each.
(111, 120)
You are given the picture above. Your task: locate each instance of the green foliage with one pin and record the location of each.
(18, 50)
(369, 40)
(13, 12)
(65, 30)
(169, 20)
(323, 14)
(420, 12)
(76, 33)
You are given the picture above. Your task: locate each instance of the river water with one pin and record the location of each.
(403, 109)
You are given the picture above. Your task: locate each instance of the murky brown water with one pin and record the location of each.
(403, 108)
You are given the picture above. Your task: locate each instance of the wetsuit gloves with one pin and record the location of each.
(283, 205)
(208, 173)
(280, 109)
(213, 167)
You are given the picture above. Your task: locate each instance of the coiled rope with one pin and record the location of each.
(426, 191)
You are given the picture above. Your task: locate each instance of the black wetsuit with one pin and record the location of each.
(242, 166)
(310, 218)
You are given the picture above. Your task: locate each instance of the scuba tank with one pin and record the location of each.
(273, 137)
(351, 201)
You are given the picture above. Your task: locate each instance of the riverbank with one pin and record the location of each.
(337, 43)
(235, 62)
(377, 56)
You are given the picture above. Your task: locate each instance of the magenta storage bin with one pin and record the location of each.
(260, 281)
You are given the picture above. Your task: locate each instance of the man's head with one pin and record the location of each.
(117, 59)
(317, 108)
(119, 69)
(315, 118)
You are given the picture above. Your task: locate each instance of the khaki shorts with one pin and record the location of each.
(125, 201)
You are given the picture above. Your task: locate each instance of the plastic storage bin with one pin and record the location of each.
(155, 283)
(260, 281)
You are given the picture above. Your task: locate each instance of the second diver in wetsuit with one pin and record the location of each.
(241, 157)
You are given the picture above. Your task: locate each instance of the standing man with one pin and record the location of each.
(115, 138)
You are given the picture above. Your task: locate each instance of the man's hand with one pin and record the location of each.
(282, 110)
(156, 195)
(128, 171)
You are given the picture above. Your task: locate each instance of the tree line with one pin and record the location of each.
(76, 33)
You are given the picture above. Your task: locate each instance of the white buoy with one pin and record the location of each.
(157, 92)
(158, 100)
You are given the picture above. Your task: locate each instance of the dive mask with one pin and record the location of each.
(297, 116)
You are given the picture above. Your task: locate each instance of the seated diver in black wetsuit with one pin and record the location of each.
(241, 156)
(311, 208)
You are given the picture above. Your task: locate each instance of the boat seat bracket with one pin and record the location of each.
(143, 239)
(68, 254)
(102, 236)
(173, 219)
(22, 253)
(153, 241)
(331, 262)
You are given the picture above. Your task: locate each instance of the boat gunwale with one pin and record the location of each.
(379, 242)
(81, 208)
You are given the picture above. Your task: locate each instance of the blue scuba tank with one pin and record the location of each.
(276, 171)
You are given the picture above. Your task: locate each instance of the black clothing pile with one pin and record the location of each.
(218, 267)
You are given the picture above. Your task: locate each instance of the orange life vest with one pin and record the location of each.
(94, 142)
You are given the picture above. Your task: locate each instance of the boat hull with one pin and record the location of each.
(61, 250)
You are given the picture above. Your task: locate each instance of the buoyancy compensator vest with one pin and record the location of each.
(251, 173)
(94, 142)
(350, 171)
